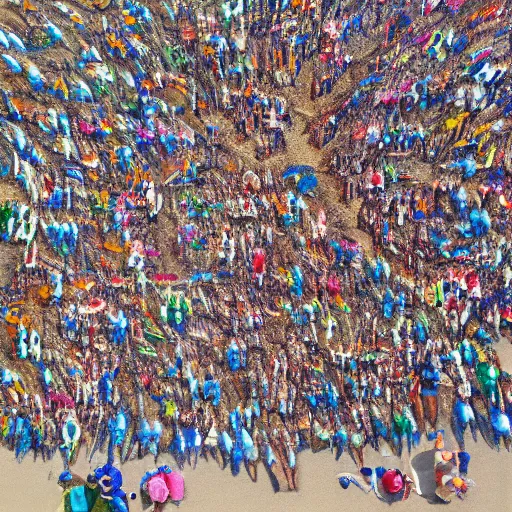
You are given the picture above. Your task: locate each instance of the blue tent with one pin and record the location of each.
(296, 170)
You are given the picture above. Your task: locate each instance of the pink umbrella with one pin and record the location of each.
(406, 86)
(483, 54)
(333, 286)
(455, 5)
(145, 134)
(157, 489)
(86, 127)
(423, 38)
(164, 278)
(176, 485)
(390, 97)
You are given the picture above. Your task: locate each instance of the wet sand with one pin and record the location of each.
(32, 486)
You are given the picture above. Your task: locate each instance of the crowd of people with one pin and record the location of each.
(171, 299)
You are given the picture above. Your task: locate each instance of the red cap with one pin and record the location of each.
(392, 481)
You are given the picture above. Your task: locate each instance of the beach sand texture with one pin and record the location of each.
(32, 486)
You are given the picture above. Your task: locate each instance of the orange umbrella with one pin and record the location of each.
(28, 6)
(148, 84)
(60, 85)
(93, 175)
(82, 284)
(91, 160)
(113, 247)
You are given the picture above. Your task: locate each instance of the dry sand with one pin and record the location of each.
(32, 486)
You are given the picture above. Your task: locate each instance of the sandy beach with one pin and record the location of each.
(287, 210)
(32, 486)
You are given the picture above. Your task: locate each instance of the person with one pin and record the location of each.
(389, 485)
(450, 472)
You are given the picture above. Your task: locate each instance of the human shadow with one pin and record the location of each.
(423, 464)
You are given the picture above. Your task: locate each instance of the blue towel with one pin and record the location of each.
(77, 499)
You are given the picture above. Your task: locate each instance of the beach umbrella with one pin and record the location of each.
(60, 89)
(251, 178)
(82, 92)
(96, 305)
(480, 222)
(14, 113)
(127, 77)
(53, 32)
(35, 78)
(145, 134)
(372, 79)
(157, 489)
(12, 63)
(296, 170)
(164, 278)
(307, 183)
(4, 168)
(16, 42)
(93, 55)
(460, 44)
(3, 40)
(86, 128)
(176, 485)
(117, 282)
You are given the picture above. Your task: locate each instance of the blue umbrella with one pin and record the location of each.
(307, 183)
(75, 174)
(295, 170)
(480, 222)
(35, 79)
(53, 32)
(16, 42)
(4, 169)
(372, 79)
(3, 40)
(13, 64)
(460, 44)
(82, 93)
